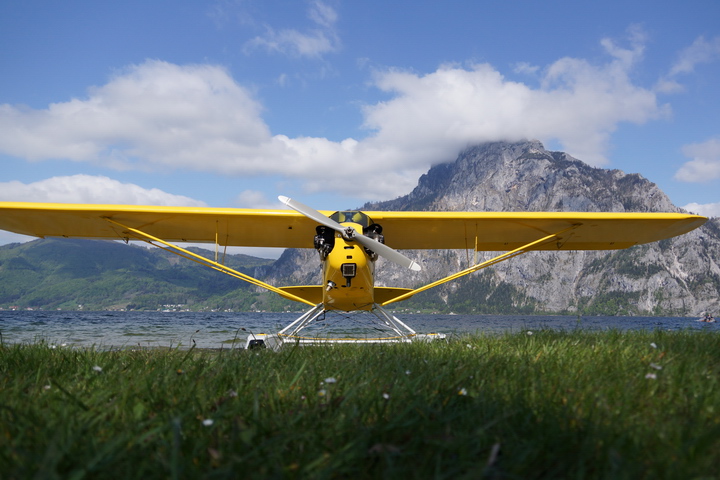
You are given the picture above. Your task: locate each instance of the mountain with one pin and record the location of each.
(679, 276)
(104, 275)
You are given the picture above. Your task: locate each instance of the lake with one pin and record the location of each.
(225, 329)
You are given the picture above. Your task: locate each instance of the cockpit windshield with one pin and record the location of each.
(353, 216)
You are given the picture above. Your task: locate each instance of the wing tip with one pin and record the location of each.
(414, 266)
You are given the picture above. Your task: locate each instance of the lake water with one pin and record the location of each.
(225, 330)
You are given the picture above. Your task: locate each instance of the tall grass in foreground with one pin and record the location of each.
(542, 405)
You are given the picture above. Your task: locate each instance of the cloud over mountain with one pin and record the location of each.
(161, 116)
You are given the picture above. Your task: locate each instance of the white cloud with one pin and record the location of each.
(323, 14)
(154, 115)
(161, 116)
(526, 68)
(668, 85)
(627, 57)
(579, 104)
(90, 189)
(256, 199)
(314, 42)
(705, 163)
(701, 51)
(706, 210)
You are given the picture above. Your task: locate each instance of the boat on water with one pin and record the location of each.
(707, 318)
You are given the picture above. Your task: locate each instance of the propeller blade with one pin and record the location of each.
(387, 252)
(313, 214)
(351, 234)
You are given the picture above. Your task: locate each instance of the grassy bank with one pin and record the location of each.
(540, 405)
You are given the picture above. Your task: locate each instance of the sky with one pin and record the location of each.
(230, 103)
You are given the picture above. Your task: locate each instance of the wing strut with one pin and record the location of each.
(207, 262)
(505, 256)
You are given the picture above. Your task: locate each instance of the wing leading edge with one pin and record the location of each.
(484, 231)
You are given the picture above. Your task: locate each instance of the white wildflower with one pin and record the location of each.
(653, 344)
(407, 372)
(656, 366)
(208, 422)
(651, 376)
(330, 380)
(322, 392)
(529, 332)
(97, 368)
(47, 387)
(462, 392)
(386, 396)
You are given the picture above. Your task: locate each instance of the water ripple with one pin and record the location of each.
(222, 329)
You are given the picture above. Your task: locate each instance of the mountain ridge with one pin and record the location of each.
(679, 276)
(80, 274)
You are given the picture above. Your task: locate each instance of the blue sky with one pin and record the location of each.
(231, 103)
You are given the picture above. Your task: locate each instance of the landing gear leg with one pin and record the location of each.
(392, 322)
(303, 321)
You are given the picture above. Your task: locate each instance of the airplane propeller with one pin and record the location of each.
(351, 234)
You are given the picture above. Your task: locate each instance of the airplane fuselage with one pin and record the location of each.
(348, 275)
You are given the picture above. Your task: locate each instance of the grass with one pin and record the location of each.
(542, 405)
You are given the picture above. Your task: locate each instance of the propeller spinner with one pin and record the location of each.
(350, 234)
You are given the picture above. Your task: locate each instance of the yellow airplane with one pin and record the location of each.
(348, 242)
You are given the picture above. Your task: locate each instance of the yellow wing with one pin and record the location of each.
(493, 231)
(227, 226)
(501, 231)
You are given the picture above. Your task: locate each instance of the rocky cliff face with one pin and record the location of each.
(526, 177)
(680, 276)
